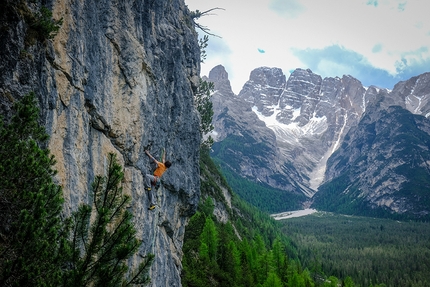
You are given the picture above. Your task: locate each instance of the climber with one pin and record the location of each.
(154, 180)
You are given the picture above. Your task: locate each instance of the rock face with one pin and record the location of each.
(118, 77)
(303, 122)
(235, 121)
(383, 165)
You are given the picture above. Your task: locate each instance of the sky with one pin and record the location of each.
(379, 42)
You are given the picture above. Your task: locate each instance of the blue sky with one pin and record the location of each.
(379, 42)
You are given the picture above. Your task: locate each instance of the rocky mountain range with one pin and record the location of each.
(306, 132)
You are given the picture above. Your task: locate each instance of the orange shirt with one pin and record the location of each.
(160, 169)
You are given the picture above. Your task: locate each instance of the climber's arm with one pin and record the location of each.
(150, 156)
(163, 157)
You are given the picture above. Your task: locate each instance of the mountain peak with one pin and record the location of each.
(265, 76)
(314, 120)
(218, 73)
(219, 76)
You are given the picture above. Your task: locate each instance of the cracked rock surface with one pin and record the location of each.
(118, 77)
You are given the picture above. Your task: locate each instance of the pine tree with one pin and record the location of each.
(274, 281)
(348, 282)
(101, 247)
(235, 258)
(30, 203)
(35, 249)
(332, 281)
(306, 275)
(204, 253)
(209, 237)
(279, 258)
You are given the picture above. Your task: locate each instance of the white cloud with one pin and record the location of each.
(386, 34)
(287, 8)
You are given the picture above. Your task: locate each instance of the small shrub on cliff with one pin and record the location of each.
(41, 24)
(45, 25)
(203, 44)
(202, 100)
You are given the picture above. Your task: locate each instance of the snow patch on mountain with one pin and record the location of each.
(292, 132)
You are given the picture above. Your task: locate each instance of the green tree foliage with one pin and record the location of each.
(30, 203)
(331, 282)
(202, 97)
(348, 282)
(233, 258)
(101, 247)
(202, 101)
(279, 258)
(230, 152)
(214, 254)
(238, 262)
(209, 238)
(261, 195)
(207, 207)
(274, 281)
(364, 251)
(45, 25)
(203, 44)
(37, 248)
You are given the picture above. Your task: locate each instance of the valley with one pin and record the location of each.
(370, 250)
(344, 147)
(359, 155)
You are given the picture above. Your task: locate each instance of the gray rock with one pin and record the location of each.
(309, 116)
(118, 77)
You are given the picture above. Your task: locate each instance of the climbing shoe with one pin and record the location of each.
(147, 188)
(151, 207)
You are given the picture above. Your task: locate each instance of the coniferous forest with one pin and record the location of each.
(248, 250)
(369, 250)
(323, 249)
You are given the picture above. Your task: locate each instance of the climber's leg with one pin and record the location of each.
(148, 180)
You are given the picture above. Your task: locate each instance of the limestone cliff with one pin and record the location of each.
(118, 77)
